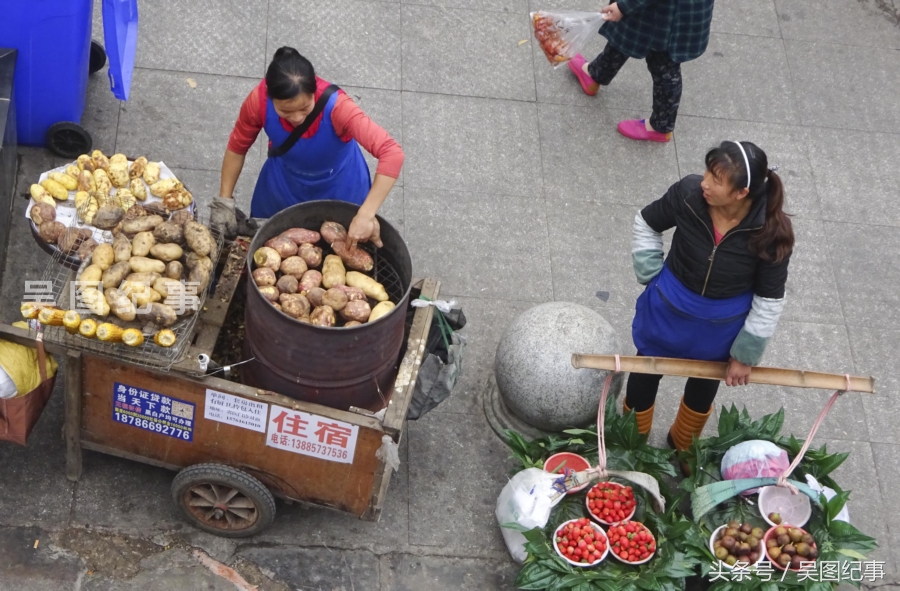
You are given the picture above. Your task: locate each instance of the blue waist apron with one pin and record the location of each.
(320, 167)
(672, 321)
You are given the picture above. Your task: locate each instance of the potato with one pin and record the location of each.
(315, 296)
(182, 216)
(118, 159)
(174, 270)
(177, 199)
(90, 276)
(40, 195)
(264, 277)
(159, 314)
(333, 272)
(115, 275)
(354, 258)
(353, 293)
(270, 292)
(310, 279)
(70, 239)
(103, 256)
(151, 173)
(168, 287)
(147, 279)
(141, 264)
(95, 301)
(161, 187)
(41, 212)
(84, 162)
(100, 160)
(141, 224)
(101, 198)
(122, 249)
(288, 284)
(285, 247)
(169, 233)
(101, 180)
(380, 309)
(86, 207)
(356, 310)
(120, 304)
(332, 232)
(294, 305)
(68, 182)
(201, 269)
(56, 190)
(124, 199)
(198, 237)
(267, 257)
(370, 287)
(73, 171)
(166, 252)
(142, 243)
(311, 255)
(138, 189)
(352, 323)
(322, 316)
(140, 294)
(277, 306)
(335, 298)
(301, 236)
(108, 217)
(87, 247)
(294, 266)
(137, 168)
(85, 181)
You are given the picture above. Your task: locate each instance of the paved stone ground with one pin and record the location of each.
(516, 190)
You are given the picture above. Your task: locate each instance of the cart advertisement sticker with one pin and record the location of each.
(154, 412)
(237, 411)
(311, 435)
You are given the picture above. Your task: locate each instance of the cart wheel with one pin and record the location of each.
(68, 140)
(97, 59)
(222, 500)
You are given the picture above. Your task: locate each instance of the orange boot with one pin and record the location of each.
(644, 418)
(688, 424)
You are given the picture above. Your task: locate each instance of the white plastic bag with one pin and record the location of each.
(843, 514)
(562, 35)
(754, 459)
(7, 385)
(526, 501)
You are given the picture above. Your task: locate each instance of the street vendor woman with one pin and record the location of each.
(719, 293)
(315, 131)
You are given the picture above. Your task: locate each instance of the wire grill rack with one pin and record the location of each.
(382, 270)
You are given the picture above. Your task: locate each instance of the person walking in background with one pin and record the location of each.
(664, 32)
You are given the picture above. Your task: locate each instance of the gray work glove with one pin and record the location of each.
(222, 217)
(247, 226)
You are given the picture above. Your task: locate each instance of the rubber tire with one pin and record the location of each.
(68, 139)
(97, 58)
(249, 486)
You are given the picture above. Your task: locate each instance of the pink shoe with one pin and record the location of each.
(636, 129)
(587, 83)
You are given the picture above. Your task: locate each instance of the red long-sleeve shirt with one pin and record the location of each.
(349, 121)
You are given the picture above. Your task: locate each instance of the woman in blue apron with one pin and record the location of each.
(719, 293)
(315, 131)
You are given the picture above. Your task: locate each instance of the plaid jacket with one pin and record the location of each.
(678, 27)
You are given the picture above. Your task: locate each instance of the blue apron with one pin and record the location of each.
(672, 321)
(320, 167)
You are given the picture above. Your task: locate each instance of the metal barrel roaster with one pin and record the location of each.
(336, 367)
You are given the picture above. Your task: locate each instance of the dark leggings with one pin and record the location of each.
(666, 76)
(640, 394)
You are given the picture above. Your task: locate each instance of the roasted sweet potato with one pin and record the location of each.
(270, 292)
(294, 305)
(322, 316)
(41, 212)
(287, 284)
(284, 246)
(353, 258)
(311, 255)
(135, 211)
(170, 233)
(310, 279)
(315, 295)
(294, 266)
(335, 298)
(267, 257)
(108, 217)
(357, 310)
(51, 231)
(264, 277)
(352, 323)
(70, 240)
(302, 236)
(87, 247)
(353, 293)
(332, 232)
(182, 216)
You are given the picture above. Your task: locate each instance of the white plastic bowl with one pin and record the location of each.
(648, 559)
(794, 508)
(598, 519)
(597, 529)
(712, 539)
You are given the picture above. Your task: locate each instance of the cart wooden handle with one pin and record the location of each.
(714, 370)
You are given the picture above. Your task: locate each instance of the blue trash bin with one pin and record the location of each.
(53, 38)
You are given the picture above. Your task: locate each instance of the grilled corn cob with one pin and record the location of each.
(88, 328)
(51, 316)
(164, 338)
(133, 337)
(72, 321)
(109, 333)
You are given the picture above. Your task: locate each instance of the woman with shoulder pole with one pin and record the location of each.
(719, 293)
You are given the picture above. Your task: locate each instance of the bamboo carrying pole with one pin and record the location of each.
(715, 370)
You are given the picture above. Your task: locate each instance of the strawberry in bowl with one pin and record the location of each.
(580, 542)
(611, 503)
(631, 542)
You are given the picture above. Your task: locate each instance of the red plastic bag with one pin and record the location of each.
(562, 35)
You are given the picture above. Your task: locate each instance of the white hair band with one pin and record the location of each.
(746, 162)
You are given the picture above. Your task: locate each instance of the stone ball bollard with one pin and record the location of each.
(533, 366)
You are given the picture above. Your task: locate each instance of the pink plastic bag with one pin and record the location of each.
(754, 459)
(562, 35)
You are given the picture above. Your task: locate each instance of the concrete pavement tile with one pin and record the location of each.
(204, 185)
(511, 6)
(860, 23)
(467, 52)
(471, 144)
(584, 159)
(486, 321)
(167, 120)
(816, 347)
(165, 571)
(318, 568)
(865, 281)
(784, 145)
(844, 86)
(855, 176)
(811, 291)
(384, 108)
(457, 467)
(885, 456)
(405, 572)
(505, 238)
(874, 355)
(26, 568)
(101, 113)
(356, 42)
(213, 37)
(393, 209)
(760, 68)
(746, 17)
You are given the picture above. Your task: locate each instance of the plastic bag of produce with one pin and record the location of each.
(754, 459)
(525, 503)
(562, 35)
(33, 374)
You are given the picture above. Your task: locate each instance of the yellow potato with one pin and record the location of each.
(100, 160)
(73, 171)
(151, 173)
(141, 264)
(101, 179)
(90, 276)
(56, 190)
(84, 162)
(103, 256)
(118, 159)
(138, 189)
(40, 195)
(140, 294)
(166, 252)
(120, 304)
(142, 243)
(124, 199)
(122, 248)
(166, 287)
(164, 186)
(95, 302)
(370, 287)
(333, 272)
(137, 168)
(380, 310)
(114, 276)
(118, 174)
(69, 182)
(147, 279)
(86, 181)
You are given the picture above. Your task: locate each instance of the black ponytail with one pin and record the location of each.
(775, 241)
(290, 75)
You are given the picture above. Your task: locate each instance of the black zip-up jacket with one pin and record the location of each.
(716, 272)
